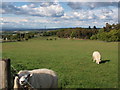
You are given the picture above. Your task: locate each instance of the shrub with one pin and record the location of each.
(113, 35)
(93, 37)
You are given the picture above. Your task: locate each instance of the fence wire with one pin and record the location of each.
(13, 75)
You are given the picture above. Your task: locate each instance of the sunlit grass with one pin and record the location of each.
(71, 59)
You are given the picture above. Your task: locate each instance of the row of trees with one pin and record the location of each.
(18, 36)
(50, 33)
(107, 33)
(77, 33)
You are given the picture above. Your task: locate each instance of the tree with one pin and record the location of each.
(94, 27)
(89, 27)
(108, 27)
(94, 37)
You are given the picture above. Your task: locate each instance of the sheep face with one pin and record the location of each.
(24, 79)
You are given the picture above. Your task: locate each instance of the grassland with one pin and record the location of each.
(71, 59)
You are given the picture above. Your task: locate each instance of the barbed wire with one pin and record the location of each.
(17, 81)
(14, 68)
(15, 75)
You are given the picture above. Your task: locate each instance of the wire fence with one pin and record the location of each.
(13, 72)
(7, 75)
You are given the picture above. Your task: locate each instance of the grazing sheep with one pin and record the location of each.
(96, 57)
(51, 39)
(38, 78)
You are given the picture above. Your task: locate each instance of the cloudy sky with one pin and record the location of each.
(57, 14)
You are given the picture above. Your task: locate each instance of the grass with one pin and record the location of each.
(71, 59)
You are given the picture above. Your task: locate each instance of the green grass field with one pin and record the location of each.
(71, 59)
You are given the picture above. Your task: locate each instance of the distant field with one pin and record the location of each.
(71, 59)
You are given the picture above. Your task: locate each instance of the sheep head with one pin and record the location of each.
(23, 77)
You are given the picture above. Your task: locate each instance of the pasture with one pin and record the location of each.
(71, 59)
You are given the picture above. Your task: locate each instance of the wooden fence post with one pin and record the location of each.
(5, 74)
(8, 73)
(1, 74)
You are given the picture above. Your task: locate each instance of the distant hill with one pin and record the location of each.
(28, 29)
(23, 29)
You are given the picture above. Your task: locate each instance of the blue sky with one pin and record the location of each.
(54, 14)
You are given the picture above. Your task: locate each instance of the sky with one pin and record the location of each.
(57, 14)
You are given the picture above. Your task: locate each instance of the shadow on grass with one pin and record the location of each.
(104, 61)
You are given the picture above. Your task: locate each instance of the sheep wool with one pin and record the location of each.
(40, 78)
(96, 57)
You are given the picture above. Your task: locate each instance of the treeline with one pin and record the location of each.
(18, 36)
(50, 33)
(82, 33)
(108, 33)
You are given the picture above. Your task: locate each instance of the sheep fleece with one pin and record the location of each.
(42, 78)
(96, 56)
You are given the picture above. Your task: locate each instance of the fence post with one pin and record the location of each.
(1, 74)
(8, 74)
(5, 74)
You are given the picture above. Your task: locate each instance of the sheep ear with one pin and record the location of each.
(29, 75)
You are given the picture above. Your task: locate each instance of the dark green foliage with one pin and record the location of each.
(114, 35)
(18, 36)
(50, 33)
(110, 33)
(81, 33)
(93, 37)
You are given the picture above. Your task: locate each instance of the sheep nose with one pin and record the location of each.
(22, 81)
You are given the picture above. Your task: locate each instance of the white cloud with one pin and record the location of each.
(80, 15)
(38, 15)
(51, 10)
(107, 14)
(67, 16)
(13, 19)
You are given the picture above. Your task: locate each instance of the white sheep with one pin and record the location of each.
(38, 78)
(96, 57)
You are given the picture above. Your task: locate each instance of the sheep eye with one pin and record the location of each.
(26, 78)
